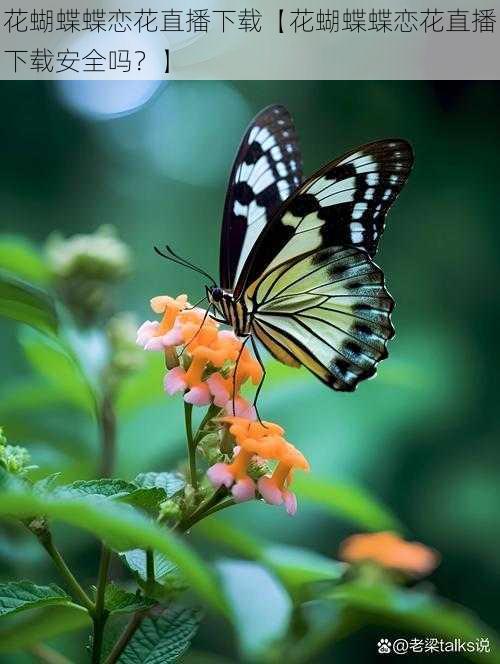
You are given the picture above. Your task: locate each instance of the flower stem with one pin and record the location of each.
(212, 412)
(45, 538)
(100, 613)
(125, 637)
(191, 444)
(107, 424)
(203, 509)
(150, 568)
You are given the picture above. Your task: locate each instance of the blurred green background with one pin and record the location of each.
(152, 159)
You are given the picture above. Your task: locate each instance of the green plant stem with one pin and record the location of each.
(45, 538)
(212, 412)
(107, 425)
(125, 637)
(150, 568)
(204, 509)
(191, 444)
(100, 614)
(48, 655)
(210, 506)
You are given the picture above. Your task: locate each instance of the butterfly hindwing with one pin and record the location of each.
(329, 311)
(343, 204)
(266, 171)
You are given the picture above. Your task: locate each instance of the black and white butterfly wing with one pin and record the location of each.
(328, 311)
(344, 204)
(266, 172)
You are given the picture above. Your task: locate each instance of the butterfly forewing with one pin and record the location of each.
(266, 172)
(329, 311)
(344, 204)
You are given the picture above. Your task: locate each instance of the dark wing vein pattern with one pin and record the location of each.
(329, 311)
(266, 172)
(344, 204)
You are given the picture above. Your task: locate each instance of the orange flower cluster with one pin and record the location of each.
(391, 551)
(257, 442)
(204, 377)
(214, 366)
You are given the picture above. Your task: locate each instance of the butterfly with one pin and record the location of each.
(296, 268)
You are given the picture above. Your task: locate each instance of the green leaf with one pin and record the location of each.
(146, 499)
(22, 595)
(167, 575)
(171, 483)
(118, 600)
(53, 360)
(116, 523)
(107, 488)
(120, 490)
(162, 639)
(21, 258)
(46, 484)
(136, 561)
(42, 624)
(295, 566)
(28, 304)
(415, 611)
(261, 607)
(347, 501)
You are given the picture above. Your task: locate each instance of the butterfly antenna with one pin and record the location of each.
(175, 258)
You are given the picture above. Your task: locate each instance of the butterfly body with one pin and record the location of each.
(233, 312)
(296, 258)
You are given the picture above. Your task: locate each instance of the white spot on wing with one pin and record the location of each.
(359, 210)
(351, 158)
(369, 193)
(367, 168)
(276, 153)
(253, 134)
(257, 170)
(281, 168)
(239, 209)
(372, 179)
(361, 162)
(337, 192)
(266, 179)
(284, 189)
(319, 185)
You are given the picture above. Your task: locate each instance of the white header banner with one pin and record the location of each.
(258, 39)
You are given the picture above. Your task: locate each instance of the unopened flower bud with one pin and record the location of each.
(15, 459)
(169, 509)
(84, 266)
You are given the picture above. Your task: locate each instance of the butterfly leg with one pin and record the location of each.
(261, 382)
(194, 335)
(236, 371)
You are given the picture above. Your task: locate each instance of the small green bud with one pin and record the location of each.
(100, 255)
(169, 509)
(15, 459)
(256, 470)
(84, 267)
